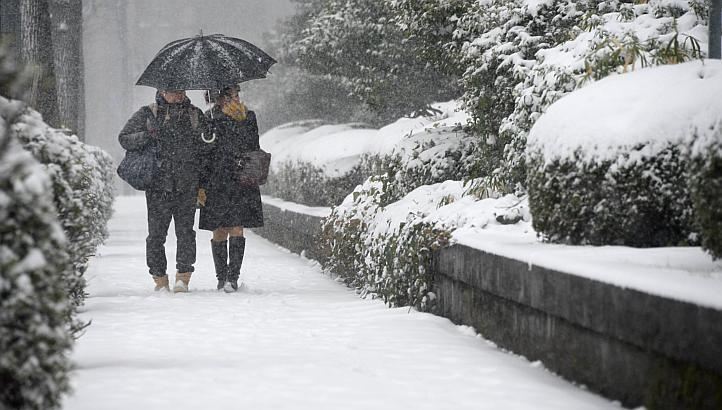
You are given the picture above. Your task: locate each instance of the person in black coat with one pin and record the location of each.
(229, 206)
(178, 128)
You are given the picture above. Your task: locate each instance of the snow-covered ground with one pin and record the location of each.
(292, 339)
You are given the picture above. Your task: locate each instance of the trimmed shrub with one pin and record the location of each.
(705, 183)
(521, 57)
(304, 183)
(35, 311)
(363, 240)
(82, 189)
(425, 158)
(609, 163)
(634, 200)
(378, 258)
(427, 154)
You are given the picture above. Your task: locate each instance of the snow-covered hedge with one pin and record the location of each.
(382, 246)
(705, 182)
(314, 163)
(437, 149)
(378, 239)
(377, 255)
(608, 163)
(521, 56)
(305, 183)
(35, 310)
(613, 38)
(82, 189)
(318, 164)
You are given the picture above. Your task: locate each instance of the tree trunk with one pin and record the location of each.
(715, 23)
(10, 24)
(36, 52)
(67, 33)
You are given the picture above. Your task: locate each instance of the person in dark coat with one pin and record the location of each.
(179, 129)
(230, 206)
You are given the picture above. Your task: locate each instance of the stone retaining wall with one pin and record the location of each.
(294, 231)
(627, 345)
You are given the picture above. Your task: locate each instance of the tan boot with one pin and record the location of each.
(182, 279)
(161, 283)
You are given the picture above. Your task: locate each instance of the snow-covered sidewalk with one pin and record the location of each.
(293, 339)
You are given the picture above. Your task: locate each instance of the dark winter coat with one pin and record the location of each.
(177, 130)
(228, 203)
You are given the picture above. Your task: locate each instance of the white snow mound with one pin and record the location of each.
(654, 106)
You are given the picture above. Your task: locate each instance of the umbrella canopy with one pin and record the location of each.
(205, 63)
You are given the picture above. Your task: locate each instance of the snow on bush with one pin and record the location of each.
(388, 259)
(608, 163)
(318, 164)
(614, 38)
(82, 189)
(498, 41)
(35, 309)
(376, 257)
(521, 56)
(439, 148)
(314, 163)
(383, 247)
(705, 183)
(391, 258)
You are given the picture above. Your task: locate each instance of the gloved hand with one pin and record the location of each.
(201, 197)
(152, 129)
(235, 110)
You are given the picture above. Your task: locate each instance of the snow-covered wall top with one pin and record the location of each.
(652, 107)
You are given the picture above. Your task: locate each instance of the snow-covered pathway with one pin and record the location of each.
(293, 339)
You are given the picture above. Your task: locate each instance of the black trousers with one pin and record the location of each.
(162, 207)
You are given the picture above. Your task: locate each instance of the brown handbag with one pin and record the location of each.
(253, 168)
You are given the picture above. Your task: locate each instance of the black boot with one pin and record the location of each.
(220, 259)
(236, 249)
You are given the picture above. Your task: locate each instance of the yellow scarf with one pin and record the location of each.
(235, 110)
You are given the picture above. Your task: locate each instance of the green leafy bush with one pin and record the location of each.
(424, 159)
(387, 258)
(82, 190)
(498, 42)
(304, 183)
(634, 200)
(390, 262)
(35, 311)
(705, 182)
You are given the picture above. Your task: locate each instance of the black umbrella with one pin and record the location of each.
(205, 63)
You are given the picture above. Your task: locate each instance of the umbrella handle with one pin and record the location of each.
(203, 136)
(210, 140)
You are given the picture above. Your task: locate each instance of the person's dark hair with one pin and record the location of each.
(216, 95)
